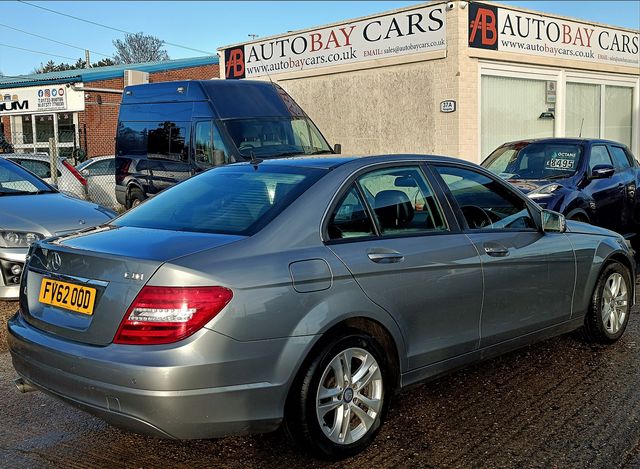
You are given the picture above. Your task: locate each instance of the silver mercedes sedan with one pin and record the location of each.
(31, 209)
(305, 292)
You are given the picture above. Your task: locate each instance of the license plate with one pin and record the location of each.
(80, 299)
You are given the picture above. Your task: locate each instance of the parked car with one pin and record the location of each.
(30, 210)
(588, 180)
(69, 180)
(100, 174)
(306, 291)
(167, 132)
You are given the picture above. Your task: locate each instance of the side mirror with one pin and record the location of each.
(84, 173)
(602, 171)
(553, 222)
(218, 157)
(337, 148)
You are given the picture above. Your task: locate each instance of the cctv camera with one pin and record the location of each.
(451, 5)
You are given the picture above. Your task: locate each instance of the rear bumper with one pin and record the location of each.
(208, 386)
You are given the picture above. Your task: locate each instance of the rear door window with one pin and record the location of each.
(620, 158)
(350, 218)
(402, 201)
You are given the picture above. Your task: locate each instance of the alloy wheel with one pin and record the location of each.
(350, 396)
(614, 303)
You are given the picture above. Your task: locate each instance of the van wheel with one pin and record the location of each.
(339, 402)
(610, 306)
(136, 197)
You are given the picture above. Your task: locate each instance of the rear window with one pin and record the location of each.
(237, 199)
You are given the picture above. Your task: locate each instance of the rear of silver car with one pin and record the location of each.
(204, 386)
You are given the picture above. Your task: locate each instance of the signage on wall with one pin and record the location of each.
(397, 34)
(36, 99)
(497, 28)
(448, 106)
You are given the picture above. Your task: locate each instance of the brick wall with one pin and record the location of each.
(98, 122)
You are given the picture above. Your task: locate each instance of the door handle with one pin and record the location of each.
(496, 250)
(385, 257)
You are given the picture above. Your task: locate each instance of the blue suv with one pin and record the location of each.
(588, 180)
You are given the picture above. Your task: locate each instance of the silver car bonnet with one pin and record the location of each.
(48, 213)
(100, 258)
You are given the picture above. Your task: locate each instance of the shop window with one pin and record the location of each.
(514, 109)
(582, 110)
(27, 130)
(618, 113)
(66, 129)
(44, 127)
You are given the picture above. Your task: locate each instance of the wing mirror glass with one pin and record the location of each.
(553, 222)
(602, 171)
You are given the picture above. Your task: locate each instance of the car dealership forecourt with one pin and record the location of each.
(454, 78)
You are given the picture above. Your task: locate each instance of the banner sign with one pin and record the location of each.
(496, 28)
(30, 100)
(407, 32)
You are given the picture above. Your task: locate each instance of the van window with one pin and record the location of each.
(207, 140)
(165, 140)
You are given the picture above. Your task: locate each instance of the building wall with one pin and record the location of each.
(98, 122)
(394, 106)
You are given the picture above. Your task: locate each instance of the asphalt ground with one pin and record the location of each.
(560, 403)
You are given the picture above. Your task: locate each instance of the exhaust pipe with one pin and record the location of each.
(23, 385)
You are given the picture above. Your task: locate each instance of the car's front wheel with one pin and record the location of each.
(338, 404)
(610, 306)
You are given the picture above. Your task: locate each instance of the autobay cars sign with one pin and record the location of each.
(396, 34)
(502, 29)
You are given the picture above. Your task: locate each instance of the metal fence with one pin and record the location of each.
(59, 162)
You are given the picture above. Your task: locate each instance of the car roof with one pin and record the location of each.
(569, 140)
(333, 161)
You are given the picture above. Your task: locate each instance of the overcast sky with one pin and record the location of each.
(208, 25)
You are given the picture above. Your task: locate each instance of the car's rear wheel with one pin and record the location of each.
(610, 306)
(338, 403)
(136, 197)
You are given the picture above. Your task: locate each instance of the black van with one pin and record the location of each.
(170, 131)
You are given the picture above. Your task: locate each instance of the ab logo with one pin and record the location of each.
(234, 63)
(483, 26)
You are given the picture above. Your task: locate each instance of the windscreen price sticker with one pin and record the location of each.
(562, 160)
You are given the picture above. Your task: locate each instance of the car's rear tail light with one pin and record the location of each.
(75, 172)
(160, 315)
(122, 172)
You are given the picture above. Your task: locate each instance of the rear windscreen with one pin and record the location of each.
(237, 199)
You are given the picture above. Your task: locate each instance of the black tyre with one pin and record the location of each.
(136, 197)
(610, 306)
(336, 417)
